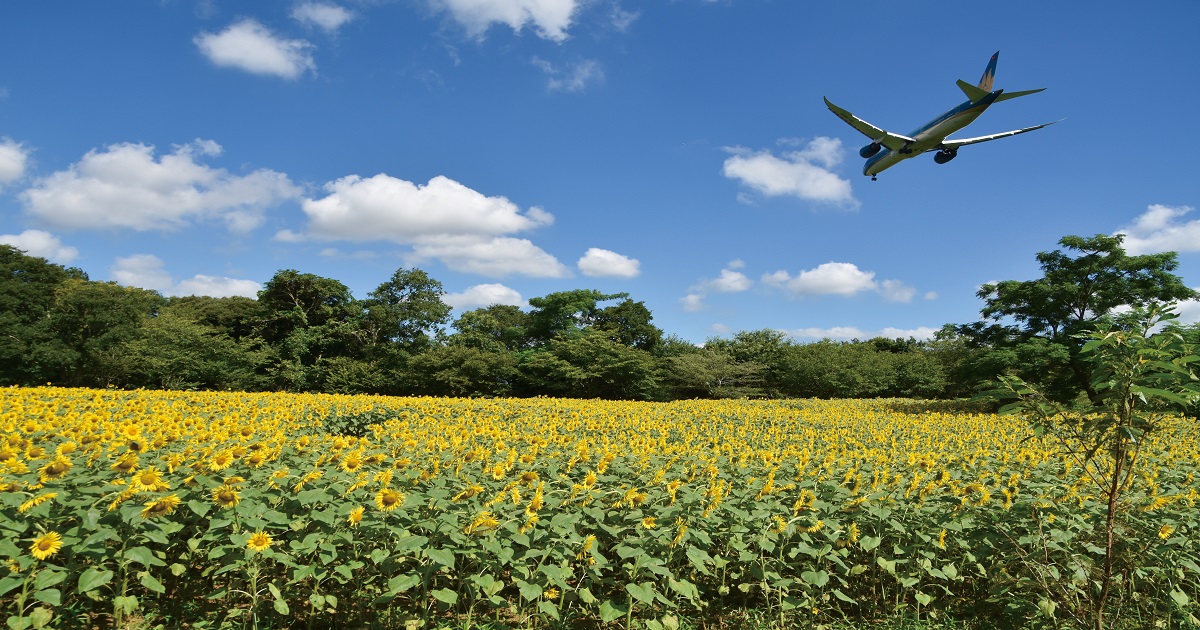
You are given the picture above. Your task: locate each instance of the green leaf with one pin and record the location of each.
(274, 590)
(1180, 597)
(50, 596)
(41, 616)
(867, 543)
(816, 578)
(9, 583)
(446, 596)
(548, 608)
(48, 578)
(643, 592)
(125, 604)
(922, 598)
(531, 592)
(402, 583)
(93, 578)
(143, 556)
(151, 583)
(19, 623)
(444, 557)
(281, 607)
(610, 611)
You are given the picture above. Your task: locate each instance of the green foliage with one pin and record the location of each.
(1077, 289)
(1137, 378)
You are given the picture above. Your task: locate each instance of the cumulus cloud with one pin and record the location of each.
(41, 244)
(1160, 229)
(896, 291)
(250, 46)
(839, 278)
(846, 333)
(831, 278)
(147, 271)
(602, 263)
(329, 17)
(575, 77)
(1188, 310)
(729, 281)
(803, 173)
(693, 302)
(492, 257)
(124, 186)
(442, 220)
(14, 158)
(550, 19)
(482, 295)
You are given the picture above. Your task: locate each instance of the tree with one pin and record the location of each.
(80, 339)
(405, 312)
(589, 365)
(709, 373)
(1138, 378)
(175, 351)
(27, 293)
(766, 347)
(565, 312)
(306, 319)
(628, 323)
(1078, 287)
(496, 327)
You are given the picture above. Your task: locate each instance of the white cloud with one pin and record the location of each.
(482, 295)
(846, 333)
(494, 257)
(728, 282)
(248, 45)
(1188, 310)
(213, 286)
(142, 270)
(1160, 230)
(442, 220)
(41, 244)
(329, 17)
(831, 278)
(574, 78)
(930, 295)
(693, 302)
(124, 186)
(147, 271)
(14, 158)
(896, 291)
(803, 174)
(598, 262)
(549, 18)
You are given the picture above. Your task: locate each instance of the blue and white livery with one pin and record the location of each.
(888, 149)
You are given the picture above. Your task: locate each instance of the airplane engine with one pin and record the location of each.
(945, 155)
(870, 150)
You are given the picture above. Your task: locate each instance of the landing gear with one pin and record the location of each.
(874, 179)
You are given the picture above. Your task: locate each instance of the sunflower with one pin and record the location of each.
(126, 464)
(46, 545)
(649, 522)
(36, 501)
(226, 496)
(149, 479)
(220, 461)
(355, 516)
(388, 499)
(160, 507)
(55, 470)
(259, 541)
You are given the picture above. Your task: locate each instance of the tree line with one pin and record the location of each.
(308, 333)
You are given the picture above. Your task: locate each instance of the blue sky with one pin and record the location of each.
(677, 150)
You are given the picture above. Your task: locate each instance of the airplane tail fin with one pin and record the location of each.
(989, 74)
(976, 93)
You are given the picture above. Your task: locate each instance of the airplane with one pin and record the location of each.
(888, 149)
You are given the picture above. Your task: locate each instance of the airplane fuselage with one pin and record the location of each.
(930, 135)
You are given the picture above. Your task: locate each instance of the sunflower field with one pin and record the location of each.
(292, 510)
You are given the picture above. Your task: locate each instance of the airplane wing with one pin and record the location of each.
(890, 140)
(954, 144)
